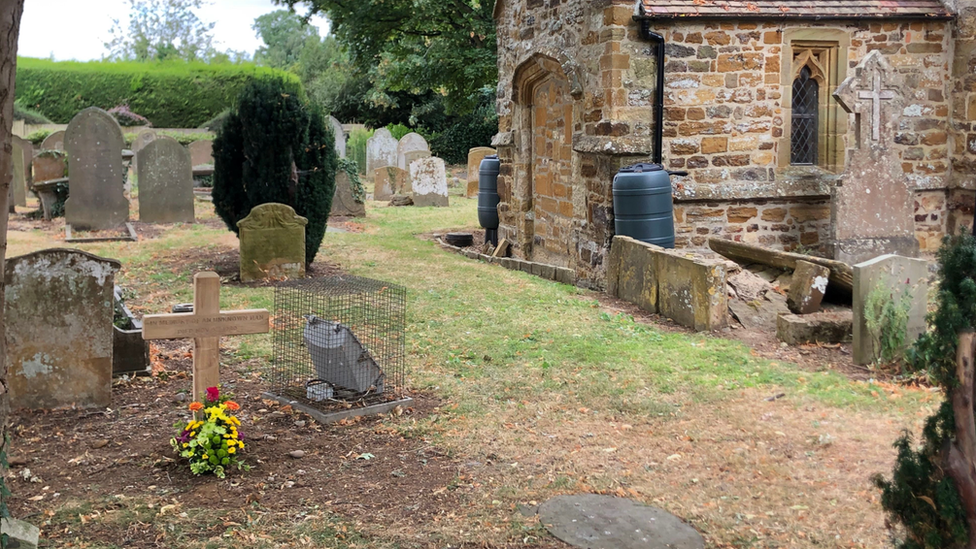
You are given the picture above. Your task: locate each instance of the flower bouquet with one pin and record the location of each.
(211, 441)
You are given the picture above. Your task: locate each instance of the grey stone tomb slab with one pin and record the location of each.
(53, 142)
(593, 521)
(900, 278)
(165, 182)
(340, 136)
(872, 208)
(201, 152)
(408, 143)
(94, 144)
(22, 156)
(59, 330)
(381, 150)
(343, 202)
(429, 180)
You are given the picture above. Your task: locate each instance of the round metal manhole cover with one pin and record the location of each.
(604, 522)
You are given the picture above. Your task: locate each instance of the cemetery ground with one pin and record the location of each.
(523, 389)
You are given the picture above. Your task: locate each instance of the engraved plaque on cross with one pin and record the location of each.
(874, 94)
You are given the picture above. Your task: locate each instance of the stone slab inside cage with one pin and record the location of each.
(338, 341)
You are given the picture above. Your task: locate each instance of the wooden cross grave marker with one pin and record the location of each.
(206, 324)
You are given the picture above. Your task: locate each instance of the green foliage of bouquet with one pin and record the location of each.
(211, 441)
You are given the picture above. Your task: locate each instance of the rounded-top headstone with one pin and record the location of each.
(381, 150)
(94, 143)
(142, 139)
(201, 152)
(165, 182)
(593, 521)
(53, 142)
(340, 136)
(408, 143)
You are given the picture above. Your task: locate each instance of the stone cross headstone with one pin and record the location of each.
(22, 156)
(381, 150)
(94, 144)
(206, 324)
(165, 182)
(53, 142)
(475, 156)
(340, 137)
(59, 330)
(344, 204)
(201, 152)
(410, 142)
(872, 209)
(899, 278)
(388, 181)
(272, 243)
(429, 180)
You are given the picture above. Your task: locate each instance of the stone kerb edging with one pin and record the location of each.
(548, 272)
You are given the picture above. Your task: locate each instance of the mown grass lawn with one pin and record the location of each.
(543, 391)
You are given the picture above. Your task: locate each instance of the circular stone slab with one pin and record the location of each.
(604, 522)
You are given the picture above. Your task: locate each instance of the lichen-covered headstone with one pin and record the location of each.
(340, 137)
(408, 143)
(475, 156)
(344, 203)
(899, 278)
(201, 152)
(872, 209)
(410, 157)
(59, 330)
(53, 142)
(165, 182)
(388, 181)
(272, 243)
(381, 150)
(22, 156)
(429, 180)
(94, 144)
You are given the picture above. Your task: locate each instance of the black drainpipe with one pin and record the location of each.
(659, 99)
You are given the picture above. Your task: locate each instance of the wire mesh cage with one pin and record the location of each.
(338, 340)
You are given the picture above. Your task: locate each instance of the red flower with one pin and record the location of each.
(212, 394)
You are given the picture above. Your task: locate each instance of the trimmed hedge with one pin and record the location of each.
(169, 94)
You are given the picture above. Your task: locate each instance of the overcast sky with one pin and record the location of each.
(78, 29)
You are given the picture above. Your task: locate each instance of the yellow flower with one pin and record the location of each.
(193, 433)
(185, 444)
(231, 450)
(205, 456)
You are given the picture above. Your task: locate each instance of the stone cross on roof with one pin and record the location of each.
(874, 93)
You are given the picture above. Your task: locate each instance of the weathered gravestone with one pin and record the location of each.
(201, 152)
(22, 155)
(272, 243)
(142, 139)
(94, 144)
(901, 279)
(340, 137)
(165, 182)
(429, 180)
(388, 181)
(206, 324)
(409, 143)
(475, 156)
(381, 150)
(59, 331)
(47, 165)
(872, 209)
(410, 157)
(807, 288)
(344, 203)
(53, 142)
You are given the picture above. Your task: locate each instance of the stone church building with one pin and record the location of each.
(749, 113)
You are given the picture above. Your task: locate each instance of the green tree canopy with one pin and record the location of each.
(415, 46)
(160, 30)
(286, 36)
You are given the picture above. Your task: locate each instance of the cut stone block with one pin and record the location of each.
(807, 288)
(22, 535)
(824, 327)
(902, 278)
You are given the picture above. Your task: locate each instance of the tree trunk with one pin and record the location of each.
(962, 452)
(10, 12)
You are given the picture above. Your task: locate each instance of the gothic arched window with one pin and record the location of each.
(805, 123)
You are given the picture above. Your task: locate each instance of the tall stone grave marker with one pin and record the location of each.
(53, 142)
(388, 181)
(381, 150)
(872, 209)
(408, 143)
(272, 243)
(165, 182)
(475, 156)
(429, 179)
(23, 154)
(340, 137)
(58, 311)
(201, 152)
(344, 203)
(94, 144)
(900, 278)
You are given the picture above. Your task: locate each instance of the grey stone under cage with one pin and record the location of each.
(338, 339)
